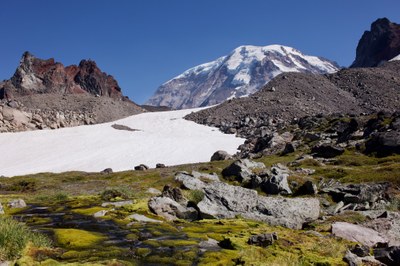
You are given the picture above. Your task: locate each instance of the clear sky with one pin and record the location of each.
(144, 43)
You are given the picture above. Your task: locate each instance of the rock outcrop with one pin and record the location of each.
(43, 94)
(221, 200)
(380, 44)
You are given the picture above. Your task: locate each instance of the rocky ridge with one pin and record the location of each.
(45, 94)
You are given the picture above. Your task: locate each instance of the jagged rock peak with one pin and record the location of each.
(35, 75)
(240, 73)
(380, 44)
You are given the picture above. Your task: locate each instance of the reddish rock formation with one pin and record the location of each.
(380, 44)
(38, 76)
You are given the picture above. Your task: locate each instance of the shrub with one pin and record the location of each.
(15, 236)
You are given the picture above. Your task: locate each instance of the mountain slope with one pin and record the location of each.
(245, 70)
(295, 95)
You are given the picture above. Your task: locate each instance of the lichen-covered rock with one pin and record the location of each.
(170, 209)
(16, 203)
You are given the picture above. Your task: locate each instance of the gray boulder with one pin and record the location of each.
(240, 170)
(142, 218)
(189, 181)
(107, 171)
(226, 201)
(174, 193)
(160, 165)
(357, 233)
(171, 210)
(205, 177)
(16, 203)
(277, 182)
(384, 143)
(222, 200)
(220, 156)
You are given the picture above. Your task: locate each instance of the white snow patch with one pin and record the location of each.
(164, 137)
(396, 58)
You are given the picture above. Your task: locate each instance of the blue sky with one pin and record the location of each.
(144, 43)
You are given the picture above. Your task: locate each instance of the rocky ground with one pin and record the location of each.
(51, 111)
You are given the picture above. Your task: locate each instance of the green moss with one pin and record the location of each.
(88, 211)
(76, 239)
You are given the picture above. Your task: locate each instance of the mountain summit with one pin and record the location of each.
(245, 70)
(380, 44)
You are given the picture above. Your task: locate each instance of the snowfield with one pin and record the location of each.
(162, 137)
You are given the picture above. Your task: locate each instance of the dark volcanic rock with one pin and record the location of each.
(380, 44)
(263, 240)
(384, 143)
(327, 151)
(390, 255)
(35, 75)
(47, 95)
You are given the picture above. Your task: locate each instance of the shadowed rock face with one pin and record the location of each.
(38, 76)
(380, 44)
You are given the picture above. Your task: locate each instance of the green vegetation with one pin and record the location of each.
(80, 195)
(15, 237)
(75, 238)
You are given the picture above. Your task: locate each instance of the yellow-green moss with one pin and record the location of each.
(88, 211)
(77, 239)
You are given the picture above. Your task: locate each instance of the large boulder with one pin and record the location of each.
(384, 143)
(277, 182)
(171, 210)
(241, 170)
(357, 233)
(360, 196)
(222, 201)
(327, 151)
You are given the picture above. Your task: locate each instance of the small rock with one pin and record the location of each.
(142, 218)
(107, 171)
(308, 188)
(220, 156)
(289, 148)
(203, 176)
(360, 250)
(101, 213)
(141, 167)
(160, 165)
(210, 244)
(17, 203)
(117, 203)
(277, 182)
(1, 209)
(263, 240)
(153, 191)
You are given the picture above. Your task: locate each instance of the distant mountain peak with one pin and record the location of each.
(240, 73)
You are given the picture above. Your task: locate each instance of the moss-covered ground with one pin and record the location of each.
(61, 206)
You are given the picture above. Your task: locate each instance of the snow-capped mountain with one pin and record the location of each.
(245, 70)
